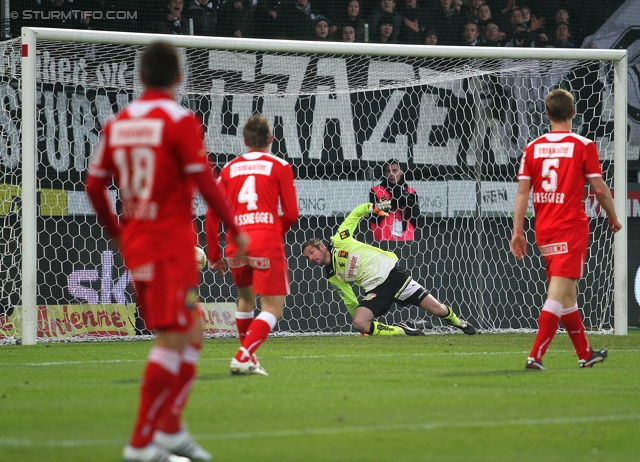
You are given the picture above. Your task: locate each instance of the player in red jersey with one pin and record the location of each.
(254, 184)
(556, 166)
(154, 150)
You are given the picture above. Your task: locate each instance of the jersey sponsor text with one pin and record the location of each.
(253, 167)
(552, 150)
(144, 132)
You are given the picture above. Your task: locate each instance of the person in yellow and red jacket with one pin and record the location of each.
(401, 223)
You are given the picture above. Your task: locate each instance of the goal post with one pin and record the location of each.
(453, 116)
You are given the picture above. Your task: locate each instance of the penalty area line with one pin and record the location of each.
(427, 426)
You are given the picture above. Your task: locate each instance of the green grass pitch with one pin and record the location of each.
(348, 398)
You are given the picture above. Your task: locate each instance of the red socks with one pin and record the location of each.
(159, 376)
(547, 327)
(170, 417)
(573, 323)
(243, 321)
(256, 334)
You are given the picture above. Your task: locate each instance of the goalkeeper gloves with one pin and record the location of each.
(381, 208)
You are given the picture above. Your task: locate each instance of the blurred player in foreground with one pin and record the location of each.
(556, 166)
(154, 150)
(254, 184)
(347, 260)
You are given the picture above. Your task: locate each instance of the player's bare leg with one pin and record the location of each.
(363, 322)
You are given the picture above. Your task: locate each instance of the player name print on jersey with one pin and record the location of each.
(253, 167)
(552, 150)
(253, 218)
(548, 198)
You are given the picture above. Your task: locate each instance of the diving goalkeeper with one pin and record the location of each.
(347, 260)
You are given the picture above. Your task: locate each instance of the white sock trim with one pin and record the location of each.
(553, 307)
(569, 310)
(244, 314)
(190, 355)
(268, 318)
(166, 358)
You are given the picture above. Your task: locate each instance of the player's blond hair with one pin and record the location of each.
(559, 104)
(257, 132)
(313, 242)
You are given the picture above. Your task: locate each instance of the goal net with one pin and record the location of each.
(457, 120)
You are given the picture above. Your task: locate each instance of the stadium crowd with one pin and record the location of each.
(532, 23)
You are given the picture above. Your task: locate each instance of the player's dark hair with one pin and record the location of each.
(313, 242)
(390, 162)
(559, 104)
(257, 132)
(159, 65)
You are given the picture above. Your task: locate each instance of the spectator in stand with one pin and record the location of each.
(501, 10)
(173, 21)
(448, 22)
(471, 34)
(321, 29)
(384, 31)
(515, 19)
(265, 20)
(534, 25)
(520, 38)
(562, 15)
(401, 222)
(493, 37)
(206, 20)
(414, 23)
(431, 37)
(240, 16)
(348, 34)
(561, 36)
(353, 18)
(296, 19)
(483, 16)
(386, 8)
(470, 10)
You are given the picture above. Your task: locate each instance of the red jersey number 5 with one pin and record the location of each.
(548, 172)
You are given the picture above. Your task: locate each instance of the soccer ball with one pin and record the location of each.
(201, 259)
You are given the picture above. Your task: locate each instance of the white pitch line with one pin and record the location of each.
(204, 358)
(427, 426)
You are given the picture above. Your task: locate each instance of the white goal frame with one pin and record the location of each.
(31, 36)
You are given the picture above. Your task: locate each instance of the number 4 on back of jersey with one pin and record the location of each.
(247, 194)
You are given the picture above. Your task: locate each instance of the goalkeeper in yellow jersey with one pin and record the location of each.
(347, 260)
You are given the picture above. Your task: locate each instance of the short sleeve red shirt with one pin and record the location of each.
(151, 147)
(255, 184)
(558, 165)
